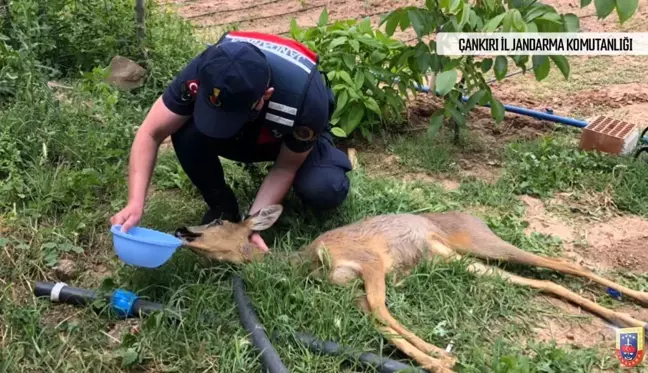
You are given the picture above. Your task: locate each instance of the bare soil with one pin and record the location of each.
(616, 243)
(541, 221)
(274, 16)
(595, 82)
(119, 328)
(619, 243)
(388, 166)
(575, 328)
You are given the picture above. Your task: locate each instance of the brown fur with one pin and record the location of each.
(376, 246)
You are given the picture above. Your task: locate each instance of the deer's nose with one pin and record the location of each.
(186, 234)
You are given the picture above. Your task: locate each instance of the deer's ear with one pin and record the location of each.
(265, 217)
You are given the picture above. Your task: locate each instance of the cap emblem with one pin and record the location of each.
(213, 98)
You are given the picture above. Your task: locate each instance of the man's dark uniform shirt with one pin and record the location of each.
(218, 90)
(296, 114)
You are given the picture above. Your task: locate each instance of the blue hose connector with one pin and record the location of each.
(614, 293)
(122, 302)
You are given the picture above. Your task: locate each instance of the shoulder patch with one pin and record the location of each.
(303, 133)
(189, 90)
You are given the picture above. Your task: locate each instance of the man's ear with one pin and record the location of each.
(265, 217)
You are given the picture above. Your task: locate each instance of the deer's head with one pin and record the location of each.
(230, 241)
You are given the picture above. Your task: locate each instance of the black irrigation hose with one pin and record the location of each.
(128, 304)
(381, 364)
(636, 156)
(505, 76)
(641, 149)
(264, 17)
(269, 356)
(643, 133)
(118, 299)
(231, 10)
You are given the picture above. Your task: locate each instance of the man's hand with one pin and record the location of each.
(128, 217)
(257, 240)
(276, 184)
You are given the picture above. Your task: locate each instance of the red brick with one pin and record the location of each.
(609, 135)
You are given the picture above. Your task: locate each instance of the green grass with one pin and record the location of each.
(557, 165)
(440, 302)
(539, 168)
(436, 154)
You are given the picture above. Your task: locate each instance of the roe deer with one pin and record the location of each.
(375, 246)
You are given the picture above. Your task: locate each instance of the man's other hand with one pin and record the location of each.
(257, 240)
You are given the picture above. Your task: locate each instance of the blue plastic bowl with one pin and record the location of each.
(143, 247)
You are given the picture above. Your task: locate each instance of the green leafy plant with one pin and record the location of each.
(63, 147)
(14, 69)
(460, 81)
(69, 35)
(62, 38)
(52, 250)
(368, 72)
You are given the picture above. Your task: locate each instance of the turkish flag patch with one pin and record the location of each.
(189, 90)
(266, 136)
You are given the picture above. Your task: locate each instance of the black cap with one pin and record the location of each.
(233, 78)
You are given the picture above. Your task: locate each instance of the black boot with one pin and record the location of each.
(212, 215)
(222, 205)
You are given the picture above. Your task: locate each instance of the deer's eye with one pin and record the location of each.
(215, 222)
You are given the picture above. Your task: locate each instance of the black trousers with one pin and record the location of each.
(321, 182)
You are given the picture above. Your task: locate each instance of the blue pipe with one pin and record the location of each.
(532, 113)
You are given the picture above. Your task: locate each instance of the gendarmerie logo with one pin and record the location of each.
(303, 133)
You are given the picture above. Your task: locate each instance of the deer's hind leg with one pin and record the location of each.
(374, 282)
(411, 345)
(577, 270)
(342, 269)
(486, 244)
(426, 361)
(617, 318)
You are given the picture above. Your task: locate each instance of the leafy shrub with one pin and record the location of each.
(67, 36)
(14, 70)
(368, 72)
(66, 149)
(170, 44)
(61, 156)
(485, 16)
